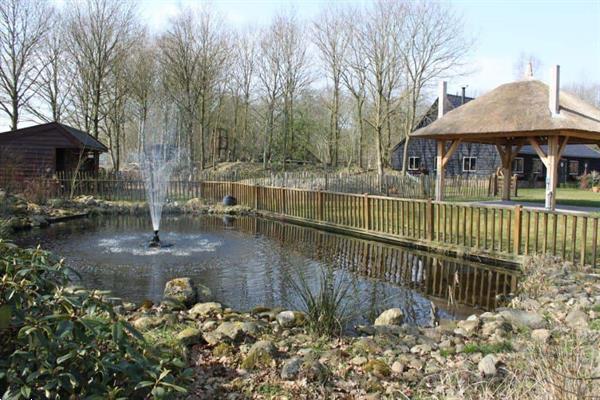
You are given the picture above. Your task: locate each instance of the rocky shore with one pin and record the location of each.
(268, 353)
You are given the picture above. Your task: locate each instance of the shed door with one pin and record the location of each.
(60, 159)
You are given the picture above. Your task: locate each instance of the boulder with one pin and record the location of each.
(205, 309)
(189, 336)
(577, 319)
(261, 354)
(523, 319)
(290, 319)
(145, 323)
(232, 330)
(181, 290)
(291, 368)
(487, 365)
(314, 371)
(393, 316)
(469, 326)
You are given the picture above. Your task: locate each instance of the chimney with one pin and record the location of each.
(462, 98)
(441, 97)
(554, 90)
(529, 70)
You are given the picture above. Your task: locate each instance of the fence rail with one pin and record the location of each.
(505, 232)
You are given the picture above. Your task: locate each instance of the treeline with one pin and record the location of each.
(341, 89)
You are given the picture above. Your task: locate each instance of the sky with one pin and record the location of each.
(564, 32)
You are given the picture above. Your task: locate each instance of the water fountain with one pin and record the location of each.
(158, 159)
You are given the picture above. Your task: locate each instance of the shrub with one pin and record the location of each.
(62, 342)
(326, 306)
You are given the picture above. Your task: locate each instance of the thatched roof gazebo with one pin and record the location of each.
(510, 116)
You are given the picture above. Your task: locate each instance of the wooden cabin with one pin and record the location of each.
(44, 150)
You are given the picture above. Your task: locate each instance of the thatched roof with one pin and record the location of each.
(517, 110)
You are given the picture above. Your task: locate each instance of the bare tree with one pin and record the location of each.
(332, 42)
(55, 82)
(288, 34)
(23, 26)
(432, 45)
(99, 33)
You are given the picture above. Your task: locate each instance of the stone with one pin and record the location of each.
(523, 319)
(232, 330)
(540, 335)
(398, 367)
(251, 328)
(367, 346)
(145, 323)
(203, 293)
(487, 365)
(577, 319)
(181, 290)
(421, 349)
(205, 309)
(314, 371)
(469, 326)
(291, 368)
(393, 316)
(261, 353)
(190, 336)
(290, 319)
(359, 360)
(378, 368)
(213, 338)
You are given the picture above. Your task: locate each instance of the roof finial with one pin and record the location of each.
(529, 70)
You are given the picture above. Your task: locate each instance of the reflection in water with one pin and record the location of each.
(247, 262)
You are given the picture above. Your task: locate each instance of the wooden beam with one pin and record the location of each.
(439, 178)
(563, 143)
(552, 172)
(450, 151)
(536, 146)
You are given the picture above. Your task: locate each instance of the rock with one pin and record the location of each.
(290, 319)
(469, 326)
(39, 220)
(233, 330)
(190, 336)
(181, 290)
(314, 371)
(261, 354)
(393, 316)
(210, 326)
(359, 360)
(291, 368)
(145, 323)
(251, 328)
(367, 346)
(523, 319)
(378, 368)
(577, 319)
(398, 367)
(205, 309)
(540, 335)
(487, 365)
(213, 338)
(421, 349)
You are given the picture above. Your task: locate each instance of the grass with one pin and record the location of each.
(565, 196)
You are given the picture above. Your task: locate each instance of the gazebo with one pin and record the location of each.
(510, 116)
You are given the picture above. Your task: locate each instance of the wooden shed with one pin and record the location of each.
(43, 150)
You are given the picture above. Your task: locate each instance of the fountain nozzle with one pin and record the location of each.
(155, 242)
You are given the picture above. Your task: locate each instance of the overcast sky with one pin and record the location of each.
(563, 32)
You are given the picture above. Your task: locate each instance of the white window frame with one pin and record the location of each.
(470, 169)
(569, 167)
(414, 163)
(518, 171)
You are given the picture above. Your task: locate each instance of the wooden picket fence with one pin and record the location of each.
(491, 231)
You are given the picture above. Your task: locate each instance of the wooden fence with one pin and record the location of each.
(499, 232)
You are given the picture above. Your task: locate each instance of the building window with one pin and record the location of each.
(573, 167)
(469, 164)
(414, 163)
(538, 166)
(518, 165)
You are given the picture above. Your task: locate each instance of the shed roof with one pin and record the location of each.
(79, 138)
(517, 110)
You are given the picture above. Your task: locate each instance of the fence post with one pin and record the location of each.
(366, 211)
(515, 181)
(320, 205)
(517, 230)
(202, 190)
(255, 197)
(430, 224)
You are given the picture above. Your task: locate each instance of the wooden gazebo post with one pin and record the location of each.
(442, 155)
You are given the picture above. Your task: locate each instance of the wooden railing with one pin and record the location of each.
(500, 232)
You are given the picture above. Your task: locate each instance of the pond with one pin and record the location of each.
(248, 262)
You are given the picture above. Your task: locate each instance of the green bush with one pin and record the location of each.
(62, 342)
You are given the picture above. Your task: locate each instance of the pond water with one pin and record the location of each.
(248, 262)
